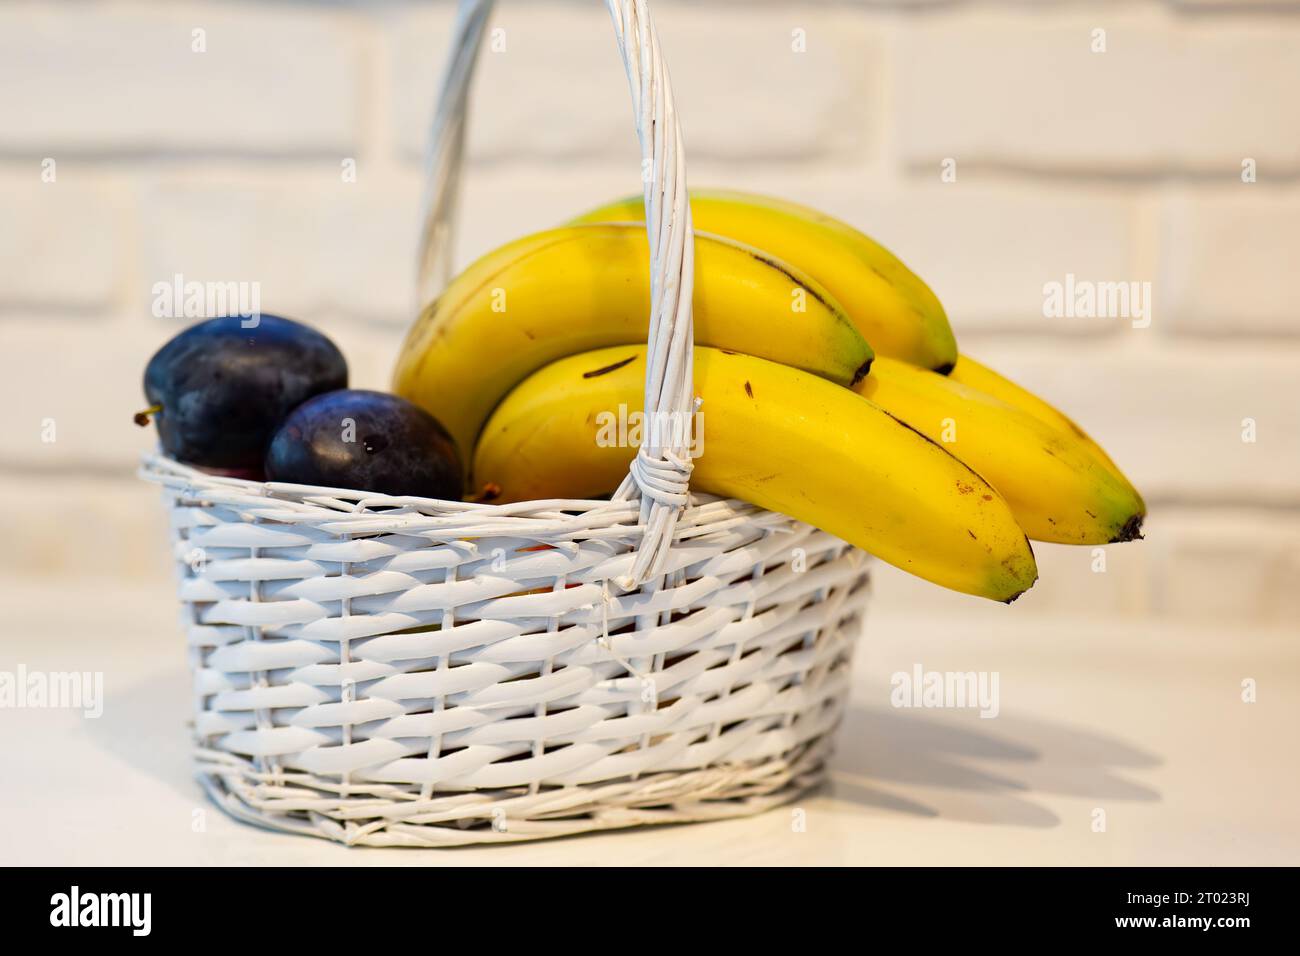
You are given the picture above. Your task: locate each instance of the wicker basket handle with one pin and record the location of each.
(661, 470)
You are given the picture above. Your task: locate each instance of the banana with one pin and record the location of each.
(778, 437)
(569, 290)
(892, 307)
(1059, 490)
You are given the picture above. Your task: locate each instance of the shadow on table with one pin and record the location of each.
(144, 724)
(979, 771)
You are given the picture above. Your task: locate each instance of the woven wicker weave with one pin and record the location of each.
(407, 672)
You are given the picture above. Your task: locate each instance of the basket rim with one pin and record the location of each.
(346, 510)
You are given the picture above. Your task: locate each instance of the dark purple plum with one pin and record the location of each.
(219, 390)
(367, 441)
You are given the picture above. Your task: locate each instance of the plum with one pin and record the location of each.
(219, 390)
(368, 441)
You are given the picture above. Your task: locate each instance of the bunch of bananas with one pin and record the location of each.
(829, 377)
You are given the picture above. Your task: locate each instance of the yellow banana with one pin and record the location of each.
(1059, 490)
(583, 287)
(778, 437)
(980, 376)
(893, 308)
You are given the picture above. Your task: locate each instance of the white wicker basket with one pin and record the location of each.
(408, 672)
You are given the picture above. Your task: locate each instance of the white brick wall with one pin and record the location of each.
(1169, 92)
(555, 71)
(1229, 261)
(324, 248)
(1123, 165)
(62, 243)
(130, 79)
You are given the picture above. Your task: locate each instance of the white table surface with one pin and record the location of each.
(1143, 720)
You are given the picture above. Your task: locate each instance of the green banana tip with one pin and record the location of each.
(1009, 563)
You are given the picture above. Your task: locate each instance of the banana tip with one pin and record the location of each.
(1132, 530)
(1013, 598)
(861, 373)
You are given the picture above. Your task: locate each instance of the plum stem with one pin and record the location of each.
(142, 418)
